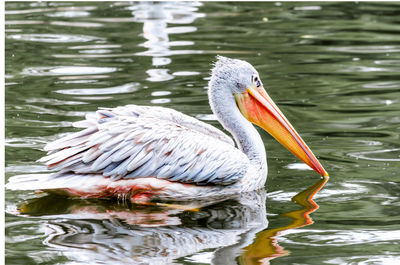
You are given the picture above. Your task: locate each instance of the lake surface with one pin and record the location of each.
(333, 68)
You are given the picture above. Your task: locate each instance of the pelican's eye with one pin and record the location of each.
(257, 81)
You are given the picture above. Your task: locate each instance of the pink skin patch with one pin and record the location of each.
(139, 190)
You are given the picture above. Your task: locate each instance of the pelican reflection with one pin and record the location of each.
(224, 232)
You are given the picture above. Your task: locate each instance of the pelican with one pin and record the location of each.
(150, 153)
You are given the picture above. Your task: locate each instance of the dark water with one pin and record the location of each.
(333, 68)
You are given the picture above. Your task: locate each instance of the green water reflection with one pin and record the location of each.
(331, 67)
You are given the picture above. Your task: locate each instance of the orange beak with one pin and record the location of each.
(256, 106)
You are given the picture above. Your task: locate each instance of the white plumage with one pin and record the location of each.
(139, 141)
(147, 146)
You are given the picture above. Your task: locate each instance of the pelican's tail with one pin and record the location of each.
(53, 181)
(34, 182)
(78, 185)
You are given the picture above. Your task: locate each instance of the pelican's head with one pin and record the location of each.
(240, 79)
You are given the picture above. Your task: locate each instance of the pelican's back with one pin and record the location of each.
(132, 142)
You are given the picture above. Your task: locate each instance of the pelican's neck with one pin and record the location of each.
(246, 136)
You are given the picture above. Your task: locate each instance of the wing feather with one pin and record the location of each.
(91, 154)
(137, 141)
(70, 140)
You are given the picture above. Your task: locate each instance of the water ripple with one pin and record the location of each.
(298, 166)
(382, 85)
(367, 49)
(95, 46)
(392, 155)
(160, 101)
(307, 8)
(160, 93)
(185, 73)
(365, 260)
(40, 109)
(23, 22)
(25, 168)
(80, 55)
(311, 237)
(65, 10)
(125, 88)
(76, 24)
(52, 38)
(69, 14)
(66, 70)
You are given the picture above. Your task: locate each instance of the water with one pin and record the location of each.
(331, 67)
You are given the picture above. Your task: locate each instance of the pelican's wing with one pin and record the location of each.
(173, 116)
(119, 145)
